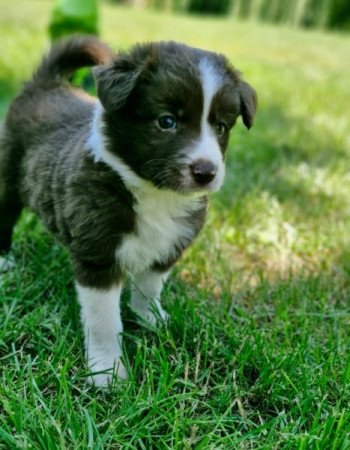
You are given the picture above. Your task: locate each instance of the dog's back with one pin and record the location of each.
(45, 108)
(48, 101)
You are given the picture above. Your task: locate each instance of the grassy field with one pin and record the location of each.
(256, 355)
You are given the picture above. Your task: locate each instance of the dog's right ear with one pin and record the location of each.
(114, 82)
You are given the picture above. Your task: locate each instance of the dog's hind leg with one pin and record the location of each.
(9, 212)
(10, 205)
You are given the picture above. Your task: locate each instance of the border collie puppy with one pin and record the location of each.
(121, 180)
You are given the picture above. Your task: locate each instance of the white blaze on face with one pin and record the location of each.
(207, 147)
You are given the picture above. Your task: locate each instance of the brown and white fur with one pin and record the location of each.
(121, 180)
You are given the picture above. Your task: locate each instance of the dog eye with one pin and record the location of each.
(220, 128)
(167, 122)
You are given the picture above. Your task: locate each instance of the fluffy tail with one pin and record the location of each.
(68, 55)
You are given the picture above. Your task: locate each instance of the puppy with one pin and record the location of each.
(121, 180)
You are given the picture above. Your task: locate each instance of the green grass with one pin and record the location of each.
(256, 355)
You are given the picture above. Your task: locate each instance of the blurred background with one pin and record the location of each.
(284, 207)
(332, 14)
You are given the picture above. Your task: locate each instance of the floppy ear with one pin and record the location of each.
(114, 83)
(249, 103)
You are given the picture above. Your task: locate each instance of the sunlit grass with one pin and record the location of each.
(257, 352)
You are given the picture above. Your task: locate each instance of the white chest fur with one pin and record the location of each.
(161, 226)
(161, 216)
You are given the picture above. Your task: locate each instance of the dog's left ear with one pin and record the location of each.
(114, 82)
(249, 103)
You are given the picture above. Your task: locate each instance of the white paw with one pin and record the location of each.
(6, 263)
(160, 315)
(103, 372)
(152, 316)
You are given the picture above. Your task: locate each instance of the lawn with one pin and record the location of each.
(256, 355)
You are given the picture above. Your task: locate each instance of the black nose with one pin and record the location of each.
(203, 171)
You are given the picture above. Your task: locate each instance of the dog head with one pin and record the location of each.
(168, 111)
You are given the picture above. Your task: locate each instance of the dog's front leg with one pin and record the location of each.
(146, 288)
(100, 314)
